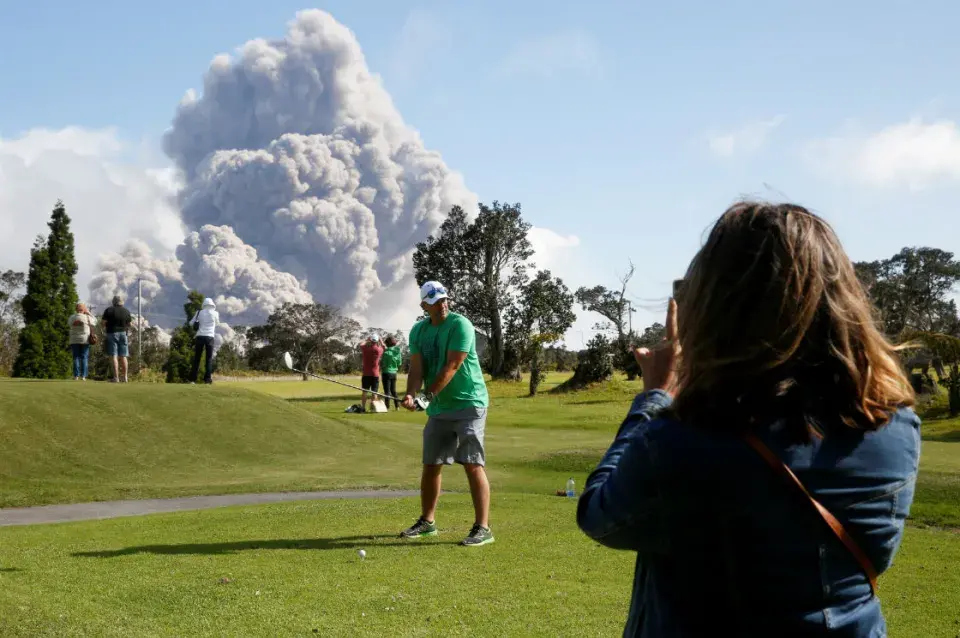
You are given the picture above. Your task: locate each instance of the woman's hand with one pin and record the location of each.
(659, 365)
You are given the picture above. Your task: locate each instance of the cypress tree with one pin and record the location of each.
(180, 355)
(49, 302)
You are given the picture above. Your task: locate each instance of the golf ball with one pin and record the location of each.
(363, 553)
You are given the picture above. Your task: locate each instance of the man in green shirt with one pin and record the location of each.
(443, 359)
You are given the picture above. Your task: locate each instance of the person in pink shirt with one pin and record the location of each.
(371, 350)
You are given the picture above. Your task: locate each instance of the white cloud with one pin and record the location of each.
(107, 198)
(572, 51)
(913, 154)
(562, 256)
(746, 140)
(72, 139)
(551, 249)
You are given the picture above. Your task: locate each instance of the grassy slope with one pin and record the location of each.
(67, 442)
(158, 575)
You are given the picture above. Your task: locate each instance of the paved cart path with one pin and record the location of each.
(114, 509)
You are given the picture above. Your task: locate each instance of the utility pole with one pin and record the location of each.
(139, 325)
(630, 314)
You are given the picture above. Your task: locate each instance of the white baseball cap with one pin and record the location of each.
(432, 292)
(373, 337)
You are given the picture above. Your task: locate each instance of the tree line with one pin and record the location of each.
(485, 264)
(521, 312)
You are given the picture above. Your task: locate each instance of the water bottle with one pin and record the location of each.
(571, 488)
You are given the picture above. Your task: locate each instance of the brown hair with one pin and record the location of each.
(390, 341)
(774, 324)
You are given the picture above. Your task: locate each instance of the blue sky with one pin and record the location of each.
(629, 125)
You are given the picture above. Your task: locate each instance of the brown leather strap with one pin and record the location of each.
(830, 519)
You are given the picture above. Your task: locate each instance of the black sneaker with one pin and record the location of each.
(420, 529)
(478, 536)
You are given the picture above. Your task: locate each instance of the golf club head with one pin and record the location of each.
(288, 360)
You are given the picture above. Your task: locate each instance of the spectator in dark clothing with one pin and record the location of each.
(116, 322)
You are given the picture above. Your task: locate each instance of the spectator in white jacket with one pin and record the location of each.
(82, 324)
(205, 322)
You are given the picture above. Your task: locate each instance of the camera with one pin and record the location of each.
(679, 286)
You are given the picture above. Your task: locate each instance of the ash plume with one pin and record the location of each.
(298, 148)
(248, 289)
(162, 283)
(298, 180)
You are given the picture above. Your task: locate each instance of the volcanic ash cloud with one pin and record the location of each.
(299, 180)
(297, 147)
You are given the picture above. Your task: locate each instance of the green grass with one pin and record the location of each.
(294, 568)
(160, 575)
(69, 442)
(920, 594)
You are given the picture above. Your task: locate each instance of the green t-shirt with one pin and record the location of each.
(390, 362)
(467, 389)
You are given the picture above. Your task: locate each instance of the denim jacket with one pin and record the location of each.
(726, 546)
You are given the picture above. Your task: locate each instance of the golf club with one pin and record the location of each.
(419, 401)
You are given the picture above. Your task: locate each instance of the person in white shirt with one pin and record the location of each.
(205, 322)
(81, 326)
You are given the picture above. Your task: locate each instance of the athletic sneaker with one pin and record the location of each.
(420, 529)
(479, 535)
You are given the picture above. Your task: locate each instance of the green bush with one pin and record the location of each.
(594, 365)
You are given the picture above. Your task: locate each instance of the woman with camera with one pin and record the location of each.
(764, 475)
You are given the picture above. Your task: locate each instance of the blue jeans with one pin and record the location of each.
(81, 355)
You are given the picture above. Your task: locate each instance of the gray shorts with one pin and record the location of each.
(455, 437)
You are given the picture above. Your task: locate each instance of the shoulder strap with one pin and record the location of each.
(829, 518)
